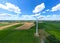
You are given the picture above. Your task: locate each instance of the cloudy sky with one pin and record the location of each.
(29, 9)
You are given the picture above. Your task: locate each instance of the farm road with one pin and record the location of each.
(43, 34)
(3, 27)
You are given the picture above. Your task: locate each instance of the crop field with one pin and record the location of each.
(13, 35)
(53, 29)
(17, 34)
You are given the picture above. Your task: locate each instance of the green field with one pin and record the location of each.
(11, 35)
(53, 28)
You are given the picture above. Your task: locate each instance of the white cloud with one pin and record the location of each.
(27, 17)
(50, 17)
(11, 7)
(6, 16)
(56, 8)
(39, 8)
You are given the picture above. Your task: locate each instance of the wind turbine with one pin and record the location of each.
(37, 29)
(37, 21)
(37, 11)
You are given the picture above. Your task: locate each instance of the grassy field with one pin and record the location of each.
(54, 30)
(16, 36)
(11, 35)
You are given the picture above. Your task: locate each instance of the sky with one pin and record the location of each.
(29, 9)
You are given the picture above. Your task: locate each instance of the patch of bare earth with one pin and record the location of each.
(26, 25)
(3, 27)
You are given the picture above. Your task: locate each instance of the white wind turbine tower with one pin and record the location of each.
(37, 17)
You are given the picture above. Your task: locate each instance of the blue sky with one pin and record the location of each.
(27, 9)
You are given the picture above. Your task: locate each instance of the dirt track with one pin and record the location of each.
(26, 25)
(43, 34)
(3, 27)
